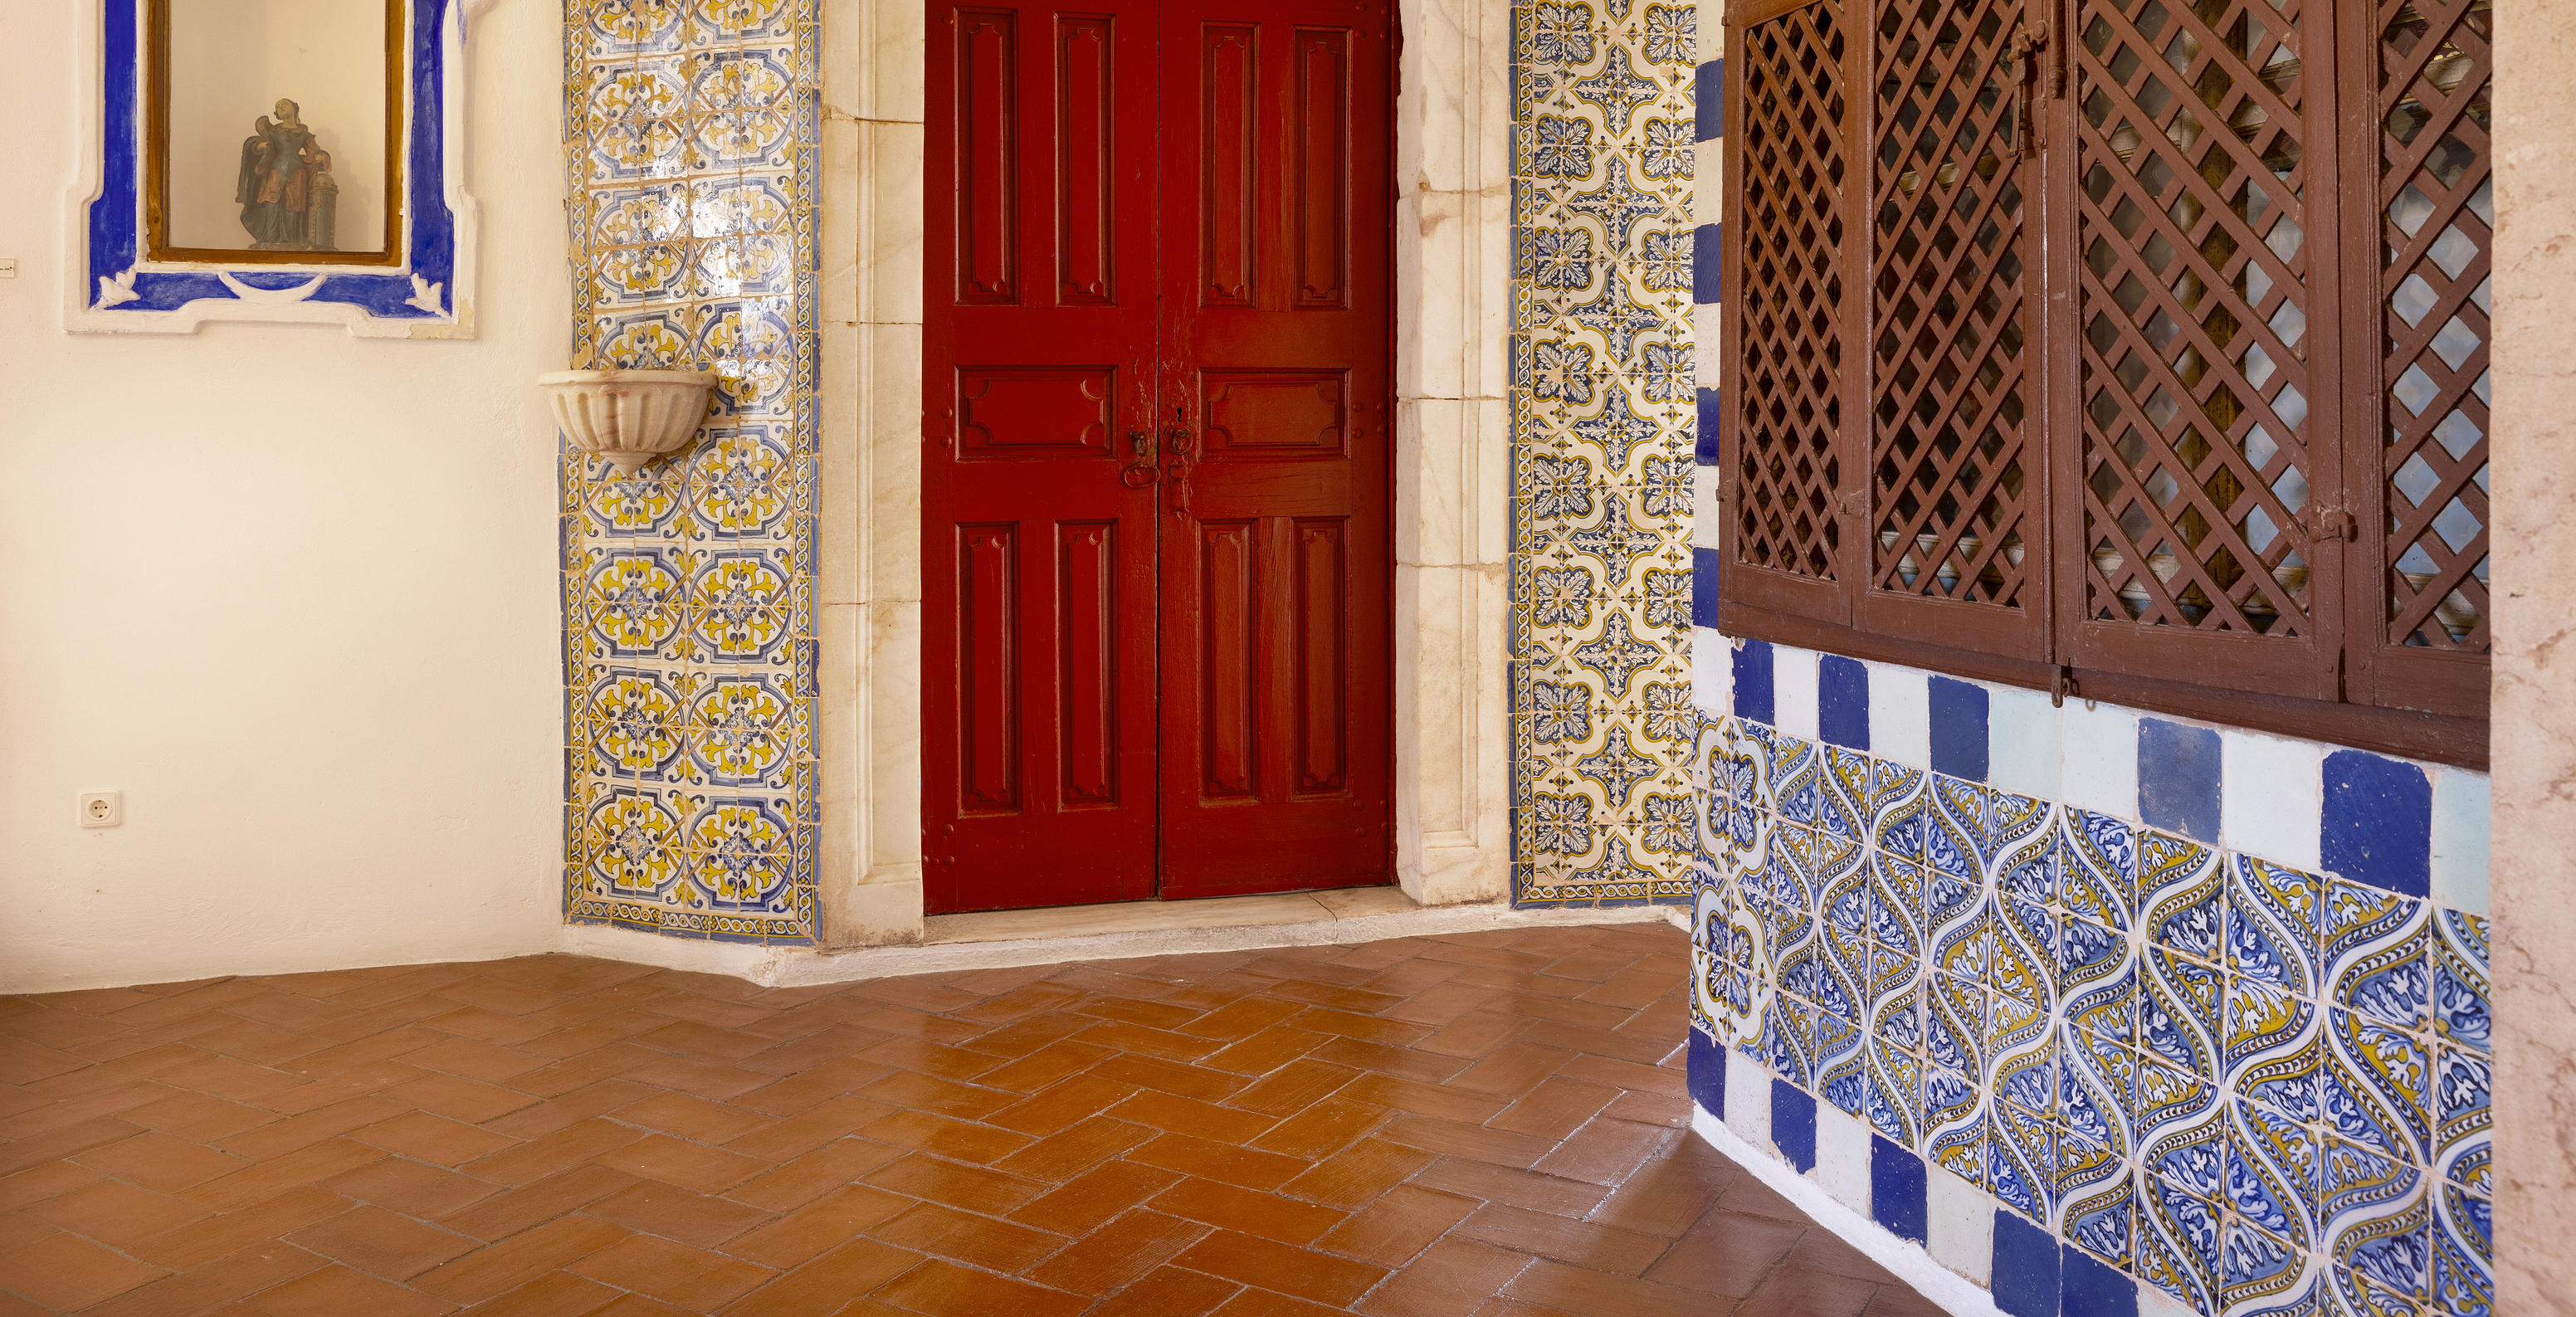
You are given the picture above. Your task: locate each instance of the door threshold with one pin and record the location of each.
(1159, 916)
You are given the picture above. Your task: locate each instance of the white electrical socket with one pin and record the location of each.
(102, 809)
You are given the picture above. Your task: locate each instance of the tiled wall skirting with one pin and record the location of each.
(2098, 1005)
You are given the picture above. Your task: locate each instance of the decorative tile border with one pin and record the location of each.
(2169, 1006)
(1605, 141)
(693, 141)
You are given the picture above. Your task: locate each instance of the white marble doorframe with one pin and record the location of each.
(1453, 251)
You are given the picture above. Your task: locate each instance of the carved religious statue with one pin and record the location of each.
(287, 195)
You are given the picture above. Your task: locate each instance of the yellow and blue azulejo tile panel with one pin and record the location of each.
(1602, 413)
(2197, 1017)
(693, 145)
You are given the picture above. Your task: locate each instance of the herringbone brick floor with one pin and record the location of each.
(1488, 1123)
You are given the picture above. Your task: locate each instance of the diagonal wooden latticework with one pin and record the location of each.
(1946, 389)
(2438, 213)
(2193, 303)
(1792, 279)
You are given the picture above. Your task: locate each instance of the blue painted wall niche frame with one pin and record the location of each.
(430, 294)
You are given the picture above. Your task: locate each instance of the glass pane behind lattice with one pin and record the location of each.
(2191, 230)
(1945, 305)
(2438, 216)
(1791, 302)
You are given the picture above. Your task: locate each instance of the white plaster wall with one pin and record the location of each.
(231, 62)
(292, 592)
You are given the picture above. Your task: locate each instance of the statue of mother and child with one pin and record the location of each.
(287, 195)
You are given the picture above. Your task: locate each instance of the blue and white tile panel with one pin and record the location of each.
(1605, 181)
(692, 141)
(2116, 1012)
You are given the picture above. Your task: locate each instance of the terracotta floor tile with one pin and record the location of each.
(1042, 1112)
(1293, 1087)
(1303, 1272)
(975, 1240)
(1502, 1184)
(513, 1210)
(794, 1136)
(335, 1291)
(1167, 1077)
(499, 1268)
(459, 1098)
(1601, 1248)
(1117, 1254)
(796, 1238)
(693, 1278)
(197, 1117)
(814, 1174)
(569, 1109)
(979, 1189)
(1349, 1179)
(957, 1139)
(1727, 1253)
(1484, 1125)
(1398, 1226)
(1090, 1199)
(554, 1294)
(1230, 1207)
(411, 1188)
(67, 1272)
(160, 1162)
(689, 1165)
(1267, 1303)
(382, 1243)
(1169, 1292)
(652, 1207)
(200, 1242)
(1166, 1111)
(37, 1183)
(1247, 1167)
(117, 1214)
(1605, 1151)
(214, 1284)
(1070, 1152)
(1588, 1293)
(943, 1289)
(433, 1139)
(312, 1127)
(823, 1286)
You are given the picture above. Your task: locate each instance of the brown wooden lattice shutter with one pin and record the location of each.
(2419, 595)
(1793, 307)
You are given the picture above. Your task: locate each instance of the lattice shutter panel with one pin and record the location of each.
(2438, 218)
(1791, 275)
(2193, 302)
(1946, 389)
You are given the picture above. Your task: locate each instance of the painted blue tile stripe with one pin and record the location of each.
(1708, 84)
(2375, 826)
(1711, 427)
(1704, 588)
(1704, 265)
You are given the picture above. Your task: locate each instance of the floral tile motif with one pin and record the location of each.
(1603, 415)
(2256, 1088)
(692, 148)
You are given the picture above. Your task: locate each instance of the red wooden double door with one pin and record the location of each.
(1158, 418)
